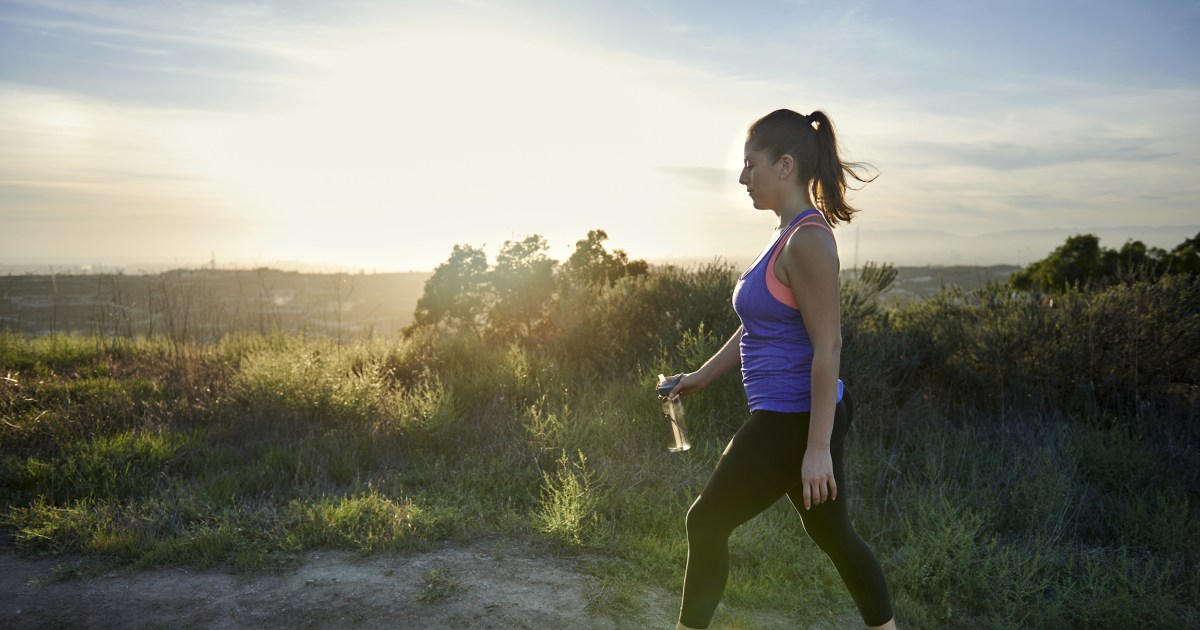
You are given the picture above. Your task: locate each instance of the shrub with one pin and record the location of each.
(567, 511)
(1081, 261)
(1118, 348)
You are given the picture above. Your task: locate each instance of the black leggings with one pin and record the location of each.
(761, 464)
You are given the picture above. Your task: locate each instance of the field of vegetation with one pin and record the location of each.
(1018, 459)
(207, 304)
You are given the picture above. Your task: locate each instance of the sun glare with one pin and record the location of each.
(463, 130)
(63, 117)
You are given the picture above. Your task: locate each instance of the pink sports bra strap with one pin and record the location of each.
(777, 289)
(814, 220)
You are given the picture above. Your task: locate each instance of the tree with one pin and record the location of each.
(1133, 257)
(593, 265)
(457, 292)
(1185, 258)
(523, 285)
(514, 298)
(1081, 260)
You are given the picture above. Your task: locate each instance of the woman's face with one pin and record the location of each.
(761, 177)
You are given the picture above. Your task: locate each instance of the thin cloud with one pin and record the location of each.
(183, 58)
(1010, 156)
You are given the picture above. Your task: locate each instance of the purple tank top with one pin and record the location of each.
(776, 350)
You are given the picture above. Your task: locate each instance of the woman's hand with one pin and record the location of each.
(817, 476)
(727, 358)
(688, 383)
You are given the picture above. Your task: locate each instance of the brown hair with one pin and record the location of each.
(811, 142)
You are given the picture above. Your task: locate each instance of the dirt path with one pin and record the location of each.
(458, 587)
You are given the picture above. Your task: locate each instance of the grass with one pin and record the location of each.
(439, 585)
(985, 508)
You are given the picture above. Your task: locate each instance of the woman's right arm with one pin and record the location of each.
(727, 358)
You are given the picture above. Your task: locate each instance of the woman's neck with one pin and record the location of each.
(791, 210)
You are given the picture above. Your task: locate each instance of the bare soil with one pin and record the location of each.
(497, 586)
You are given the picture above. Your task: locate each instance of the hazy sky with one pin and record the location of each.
(373, 134)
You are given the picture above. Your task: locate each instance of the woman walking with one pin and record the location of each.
(788, 347)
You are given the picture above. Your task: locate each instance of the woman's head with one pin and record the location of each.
(811, 143)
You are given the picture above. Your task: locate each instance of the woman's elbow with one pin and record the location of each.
(831, 347)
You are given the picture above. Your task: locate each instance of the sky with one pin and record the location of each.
(373, 135)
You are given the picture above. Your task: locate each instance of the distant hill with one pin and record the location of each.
(1014, 247)
(207, 303)
(921, 282)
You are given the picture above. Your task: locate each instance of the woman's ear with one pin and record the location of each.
(786, 163)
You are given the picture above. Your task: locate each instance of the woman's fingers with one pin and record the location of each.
(678, 389)
(676, 382)
(818, 480)
(818, 492)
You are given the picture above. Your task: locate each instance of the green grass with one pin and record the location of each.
(439, 585)
(986, 509)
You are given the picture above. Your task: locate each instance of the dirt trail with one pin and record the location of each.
(458, 587)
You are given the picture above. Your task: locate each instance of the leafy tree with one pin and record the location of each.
(458, 291)
(523, 284)
(1073, 262)
(1133, 257)
(1081, 260)
(1185, 258)
(593, 265)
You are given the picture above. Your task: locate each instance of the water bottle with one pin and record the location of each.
(673, 412)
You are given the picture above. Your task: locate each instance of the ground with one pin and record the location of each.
(474, 586)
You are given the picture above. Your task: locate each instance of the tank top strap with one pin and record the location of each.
(776, 288)
(768, 251)
(816, 220)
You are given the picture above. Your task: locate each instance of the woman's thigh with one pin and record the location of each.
(761, 463)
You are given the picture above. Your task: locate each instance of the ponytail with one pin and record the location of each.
(810, 140)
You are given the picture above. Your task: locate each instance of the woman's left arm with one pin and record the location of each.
(810, 264)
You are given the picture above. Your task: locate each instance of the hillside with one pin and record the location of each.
(214, 302)
(209, 303)
(921, 282)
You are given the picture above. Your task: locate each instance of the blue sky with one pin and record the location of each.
(370, 134)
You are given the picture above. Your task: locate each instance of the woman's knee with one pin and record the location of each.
(703, 518)
(829, 527)
(695, 515)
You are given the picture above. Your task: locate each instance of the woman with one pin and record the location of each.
(789, 348)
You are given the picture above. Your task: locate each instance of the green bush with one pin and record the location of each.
(1118, 348)
(317, 381)
(1082, 262)
(628, 323)
(568, 502)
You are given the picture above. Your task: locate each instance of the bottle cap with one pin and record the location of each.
(665, 385)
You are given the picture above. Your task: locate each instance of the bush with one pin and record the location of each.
(1082, 262)
(1120, 348)
(629, 323)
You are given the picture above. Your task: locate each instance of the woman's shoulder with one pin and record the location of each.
(810, 248)
(811, 235)
(813, 220)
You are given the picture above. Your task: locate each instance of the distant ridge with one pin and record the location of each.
(266, 299)
(858, 243)
(1010, 247)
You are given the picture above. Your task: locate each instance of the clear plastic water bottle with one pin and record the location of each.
(673, 412)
